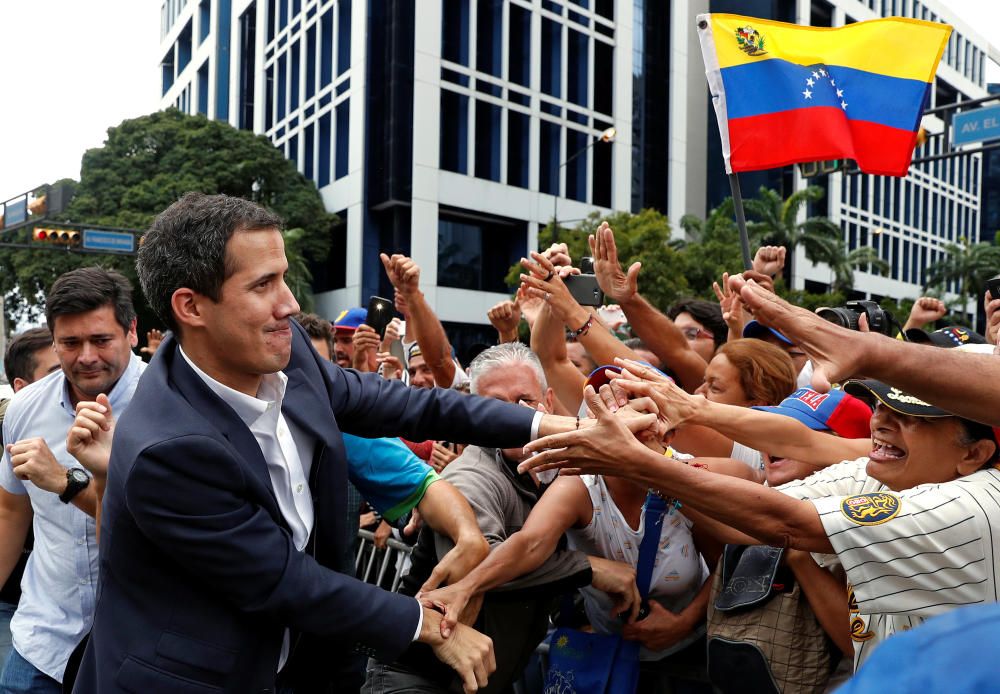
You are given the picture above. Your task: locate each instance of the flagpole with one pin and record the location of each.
(741, 220)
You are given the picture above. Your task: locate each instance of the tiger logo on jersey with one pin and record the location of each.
(859, 628)
(873, 508)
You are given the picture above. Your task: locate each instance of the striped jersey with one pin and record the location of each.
(909, 555)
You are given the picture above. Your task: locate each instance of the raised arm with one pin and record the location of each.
(422, 324)
(656, 330)
(549, 343)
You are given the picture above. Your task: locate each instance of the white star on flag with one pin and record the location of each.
(840, 93)
(832, 83)
(843, 105)
(822, 72)
(810, 82)
(815, 75)
(807, 94)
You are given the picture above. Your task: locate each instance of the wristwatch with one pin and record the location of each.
(77, 480)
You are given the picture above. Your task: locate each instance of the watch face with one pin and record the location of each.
(79, 475)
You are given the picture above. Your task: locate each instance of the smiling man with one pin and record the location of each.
(913, 522)
(90, 315)
(223, 517)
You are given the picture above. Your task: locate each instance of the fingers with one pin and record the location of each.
(610, 248)
(596, 403)
(646, 373)
(718, 292)
(608, 398)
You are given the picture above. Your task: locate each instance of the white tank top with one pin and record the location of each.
(678, 571)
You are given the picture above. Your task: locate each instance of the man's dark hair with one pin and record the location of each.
(186, 247)
(19, 361)
(89, 288)
(707, 313)
(317, 328)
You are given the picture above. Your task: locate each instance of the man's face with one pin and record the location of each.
(247, 329)
(698, 336)
(907, 451)
(322, 346)
(580, 359)
(515, 383)
(343, 347)
(45, 361)
(421, 375)
(93, 350)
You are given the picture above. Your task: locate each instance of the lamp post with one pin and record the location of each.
(607, 136)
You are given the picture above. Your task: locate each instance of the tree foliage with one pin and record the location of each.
(967, 265)
(145, 165)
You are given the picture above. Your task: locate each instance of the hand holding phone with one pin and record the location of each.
(380, 312)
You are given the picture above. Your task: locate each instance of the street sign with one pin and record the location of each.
(15, 212)
(975, 126)
(97, 240)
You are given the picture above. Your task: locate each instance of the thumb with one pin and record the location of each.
(633, 274)
(411, 526)
(636, 424)
(103, 400)
(820, 380)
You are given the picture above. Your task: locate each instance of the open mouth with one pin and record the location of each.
(883, 451)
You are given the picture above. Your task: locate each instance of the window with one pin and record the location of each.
(475, 253)
(184, 48)
(454, 131)
(576, 170)
(455, 31)
(487, 141)
(325, 149)
(489, 21)
(204, 19)
(282, 14)
(551, 57)
(248, 65)
(203, 88)
(310, 62)
(548, 158)
(603, 77)
(282, 84)
(269, 91)
(343, 36)
(605, 8)
(296, 58)
(308, 154)
(293, 150)
(519, 46)
(577, 79)
(167, 70)
(343, 139)
(602, 174)
(518, 134)
(326, 48)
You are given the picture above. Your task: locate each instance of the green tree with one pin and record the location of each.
(145, 165)
(712, 247)
(966, 264)
(776, 224)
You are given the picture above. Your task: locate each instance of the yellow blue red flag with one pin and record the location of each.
(786, 93)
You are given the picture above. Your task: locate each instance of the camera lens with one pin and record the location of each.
(843, 317)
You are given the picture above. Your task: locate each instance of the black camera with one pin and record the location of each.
(846, 316)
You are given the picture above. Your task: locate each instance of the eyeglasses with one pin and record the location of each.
(693, 333)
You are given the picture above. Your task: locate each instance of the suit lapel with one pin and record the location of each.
(223, 417)
(305, 406)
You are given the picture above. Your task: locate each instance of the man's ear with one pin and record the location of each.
(549, 400)
(18, 383)
(133, 339)
(188, 306)
(976, 456)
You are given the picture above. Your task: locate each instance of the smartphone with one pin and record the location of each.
(587, 265)
(380, 312)
(993, 286)
(584, 289)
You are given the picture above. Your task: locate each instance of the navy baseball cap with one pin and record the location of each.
(952, 336)
(757, 329)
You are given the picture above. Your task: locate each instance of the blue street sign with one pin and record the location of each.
(15, 212)
(97, 240)
(975, 126)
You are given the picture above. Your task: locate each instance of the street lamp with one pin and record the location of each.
(607, 136)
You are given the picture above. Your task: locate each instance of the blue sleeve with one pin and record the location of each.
(387, 474)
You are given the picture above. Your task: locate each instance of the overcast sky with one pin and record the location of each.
(70, 69)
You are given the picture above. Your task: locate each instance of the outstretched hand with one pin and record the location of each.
(609, 447)
(617, 285)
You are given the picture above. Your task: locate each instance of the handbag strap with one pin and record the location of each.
(655, 507)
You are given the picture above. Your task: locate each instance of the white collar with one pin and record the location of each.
(250, 409)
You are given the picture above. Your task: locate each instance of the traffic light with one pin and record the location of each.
(62, 237)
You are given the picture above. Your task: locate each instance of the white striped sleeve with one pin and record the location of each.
(918, 552)
(842, 479)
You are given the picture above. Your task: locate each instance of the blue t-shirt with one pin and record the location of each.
(388, 474)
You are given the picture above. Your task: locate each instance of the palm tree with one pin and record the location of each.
(776, 224)
(844, 265)
(966, 264)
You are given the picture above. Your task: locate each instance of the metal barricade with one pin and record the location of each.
(371, 564)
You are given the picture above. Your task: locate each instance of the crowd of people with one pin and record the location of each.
(190, 524)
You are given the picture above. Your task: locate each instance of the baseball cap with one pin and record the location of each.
(952, 336)
(600, 376)
(836, 411)
(757, 329)
(350, 319)
(895, 399)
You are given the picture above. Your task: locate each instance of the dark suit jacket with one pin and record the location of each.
(199, 575)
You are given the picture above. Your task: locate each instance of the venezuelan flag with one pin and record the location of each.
(786, 94)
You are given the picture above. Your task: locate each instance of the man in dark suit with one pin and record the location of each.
(222, 518)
